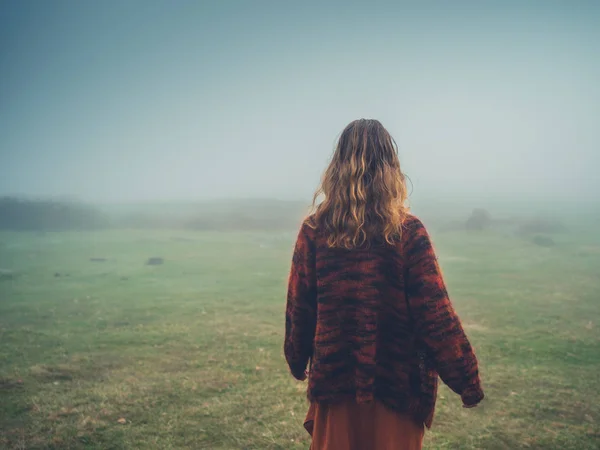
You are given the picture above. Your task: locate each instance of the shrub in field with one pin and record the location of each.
(6, 274)
(543, 241)
(480, 219)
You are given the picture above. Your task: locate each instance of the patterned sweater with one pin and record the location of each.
(376, 323)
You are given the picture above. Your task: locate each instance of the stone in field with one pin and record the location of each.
(155, 261)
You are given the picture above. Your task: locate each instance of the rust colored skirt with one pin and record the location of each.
(368, 426)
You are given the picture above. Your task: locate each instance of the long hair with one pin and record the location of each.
(364, 189)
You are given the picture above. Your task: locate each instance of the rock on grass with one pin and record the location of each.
(155, 261)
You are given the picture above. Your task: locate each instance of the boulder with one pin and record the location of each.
(154, 261)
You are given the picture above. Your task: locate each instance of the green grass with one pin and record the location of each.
(189, 353)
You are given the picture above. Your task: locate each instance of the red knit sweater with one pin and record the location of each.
(376, 323)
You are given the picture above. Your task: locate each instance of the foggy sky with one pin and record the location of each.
(140, 100)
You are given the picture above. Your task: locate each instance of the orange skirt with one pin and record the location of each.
(368, 426)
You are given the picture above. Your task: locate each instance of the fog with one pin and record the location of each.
(157, 159)
(138, 101)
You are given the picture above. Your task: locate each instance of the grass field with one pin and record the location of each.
(188, 355)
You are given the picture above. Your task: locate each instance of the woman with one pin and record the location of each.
(367, 308)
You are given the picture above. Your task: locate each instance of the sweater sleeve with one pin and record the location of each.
(301, 308)
(436, 321)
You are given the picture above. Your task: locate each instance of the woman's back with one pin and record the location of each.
(383, 324)
(367, 309)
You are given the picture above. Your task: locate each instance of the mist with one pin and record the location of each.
(157, 159)
(117, 102)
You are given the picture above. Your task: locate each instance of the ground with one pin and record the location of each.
(117, 354)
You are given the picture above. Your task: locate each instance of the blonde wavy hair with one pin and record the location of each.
(364, 188)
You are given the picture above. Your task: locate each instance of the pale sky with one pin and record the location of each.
(147, 100)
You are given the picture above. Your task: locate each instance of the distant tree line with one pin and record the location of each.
(49, 215)
(57, 215)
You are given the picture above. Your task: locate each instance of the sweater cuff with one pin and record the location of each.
(472, 396)
(299, 373)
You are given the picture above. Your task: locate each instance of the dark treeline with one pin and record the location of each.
(49, 215)
(18, 214)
